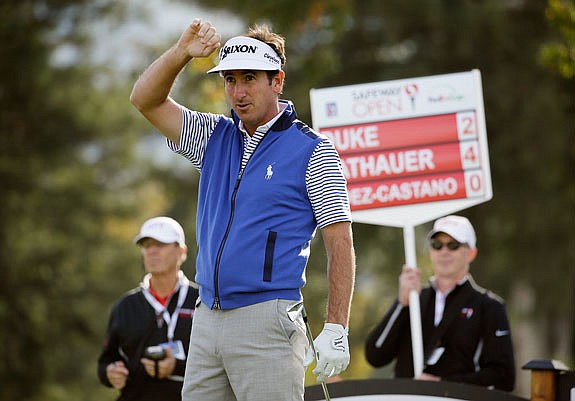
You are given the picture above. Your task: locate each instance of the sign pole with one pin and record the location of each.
(414, 309)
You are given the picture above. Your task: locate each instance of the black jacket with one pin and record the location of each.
(133, 327)
(474, 332)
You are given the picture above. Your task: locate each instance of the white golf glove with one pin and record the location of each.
(332, 351)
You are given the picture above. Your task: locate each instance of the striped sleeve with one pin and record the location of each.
(196, 130)
(326, 186)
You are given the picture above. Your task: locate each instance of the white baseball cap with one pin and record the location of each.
(458, 227)
(163, 229)
(244, 53)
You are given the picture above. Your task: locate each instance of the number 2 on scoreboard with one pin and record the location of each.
(466, 125)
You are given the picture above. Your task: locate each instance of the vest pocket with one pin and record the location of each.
(269, 258)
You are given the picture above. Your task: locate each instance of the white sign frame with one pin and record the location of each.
(409, 99)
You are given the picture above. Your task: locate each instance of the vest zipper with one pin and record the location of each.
(216, 304)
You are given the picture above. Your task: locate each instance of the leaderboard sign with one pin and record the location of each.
(412, 150)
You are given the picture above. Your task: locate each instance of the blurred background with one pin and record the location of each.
(80, 170)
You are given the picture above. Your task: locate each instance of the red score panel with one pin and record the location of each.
(396, 192)
(405, 162)
(392, 134)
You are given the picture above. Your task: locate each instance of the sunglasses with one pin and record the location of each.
(451, 245)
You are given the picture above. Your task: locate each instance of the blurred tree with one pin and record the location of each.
(559, 55)
(74, 193)
(59, 164)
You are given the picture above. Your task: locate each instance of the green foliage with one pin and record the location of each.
(68, 205)
(559, 55)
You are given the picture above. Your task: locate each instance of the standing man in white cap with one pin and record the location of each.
(144, 353)
(267, 182)
(466, 334)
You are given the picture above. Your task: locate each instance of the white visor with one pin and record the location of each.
(243, 53)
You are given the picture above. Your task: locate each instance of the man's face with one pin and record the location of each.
(252, 96)
(450, 263)
(160, 258)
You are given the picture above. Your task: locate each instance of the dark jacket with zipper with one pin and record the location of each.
(132, 327)
(474, 334)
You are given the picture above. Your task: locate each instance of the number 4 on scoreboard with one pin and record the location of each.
(469, 152)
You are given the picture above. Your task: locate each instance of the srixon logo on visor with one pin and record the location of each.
(237, 49)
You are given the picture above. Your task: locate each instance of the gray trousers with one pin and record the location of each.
(254, 353)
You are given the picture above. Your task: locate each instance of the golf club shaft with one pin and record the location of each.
(310, 339)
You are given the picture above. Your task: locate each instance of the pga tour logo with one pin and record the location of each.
(331, 109)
